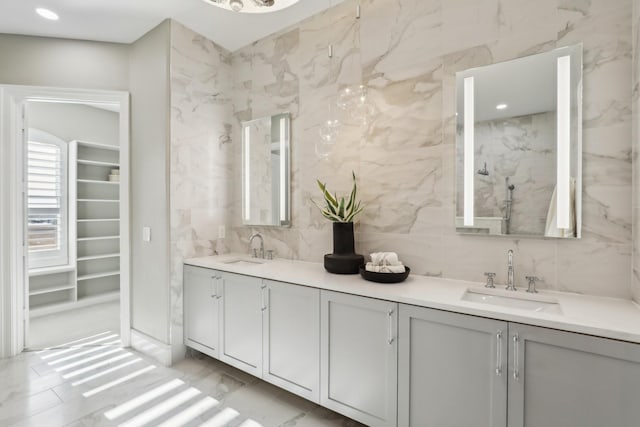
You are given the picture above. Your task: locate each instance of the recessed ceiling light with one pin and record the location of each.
(47, 14)
(501, 106)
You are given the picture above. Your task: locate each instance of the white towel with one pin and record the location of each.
(551, 229)
(385, 268)
(385, 258)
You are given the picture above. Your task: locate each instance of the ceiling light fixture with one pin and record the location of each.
(501, 107)
(47, 14)
(252, 6)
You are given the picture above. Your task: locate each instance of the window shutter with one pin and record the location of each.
(46, 199)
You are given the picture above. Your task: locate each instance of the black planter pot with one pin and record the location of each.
(344, 259)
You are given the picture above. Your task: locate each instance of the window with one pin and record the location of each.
(47, 222)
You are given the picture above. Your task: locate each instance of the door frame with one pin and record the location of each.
(13, 270)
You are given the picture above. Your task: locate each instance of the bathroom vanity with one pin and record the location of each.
(426, 352)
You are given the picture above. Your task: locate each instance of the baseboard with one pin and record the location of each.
(151, 347)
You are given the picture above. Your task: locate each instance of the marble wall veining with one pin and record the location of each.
(407, 52)
(200, 160)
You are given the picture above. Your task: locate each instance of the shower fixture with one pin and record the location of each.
(508, 203)
(483, 171)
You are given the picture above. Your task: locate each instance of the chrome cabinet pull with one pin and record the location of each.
(499, 353)
(214, 287)
(262, 290)
(390, 327)
(516, 356)
(221, 288)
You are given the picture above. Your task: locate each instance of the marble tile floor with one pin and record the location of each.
(53, 329)
(95, 382)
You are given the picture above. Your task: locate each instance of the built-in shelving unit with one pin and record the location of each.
(97, 222)
(93, 273)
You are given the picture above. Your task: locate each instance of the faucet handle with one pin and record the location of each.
(270, 253)
(490, 277)
(532, 284)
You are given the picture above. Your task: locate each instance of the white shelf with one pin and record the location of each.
(97, 181)
(87, 239)
(51, 270)
(98, 200)
(97, 163)
(99, 220)
(51, 289)
(99, 275)
(103, 256)
(98, 145)
(69, 305)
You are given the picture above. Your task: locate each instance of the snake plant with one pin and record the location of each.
(339, 209)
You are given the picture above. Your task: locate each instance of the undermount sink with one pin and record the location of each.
(245, 262)
(519, 300)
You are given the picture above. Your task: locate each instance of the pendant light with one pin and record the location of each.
(355, 98)
(330, 127)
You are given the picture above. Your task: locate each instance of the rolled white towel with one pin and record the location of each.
(385, 258)
(385, 268)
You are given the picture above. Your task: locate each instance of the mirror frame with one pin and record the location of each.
(575, 143)
(285, 184)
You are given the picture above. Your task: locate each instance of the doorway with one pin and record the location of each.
(71, 216)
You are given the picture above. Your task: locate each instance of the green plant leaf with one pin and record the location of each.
(331, 200)
(339, 209)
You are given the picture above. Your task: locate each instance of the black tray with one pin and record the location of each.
(384, 277)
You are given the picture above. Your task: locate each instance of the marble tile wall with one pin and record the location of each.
(409, 53)
(201, 154)
(635, 285)
(521, 149)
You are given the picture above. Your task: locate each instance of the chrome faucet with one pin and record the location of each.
(532, 284)
(511, 286)
(254, 252)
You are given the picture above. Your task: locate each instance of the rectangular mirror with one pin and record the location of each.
(519, 146)
(266, 171)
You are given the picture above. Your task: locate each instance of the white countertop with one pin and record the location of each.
(605, 317)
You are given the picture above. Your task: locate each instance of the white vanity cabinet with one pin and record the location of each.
(388, 364)
(241, 322)
(291, 338)
(201, 309)
(459, 370)
(566, 379)
(452, 371)
(359, 358)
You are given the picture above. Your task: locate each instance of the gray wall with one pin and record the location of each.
(75, 121)
(149, 86)
(41, 61)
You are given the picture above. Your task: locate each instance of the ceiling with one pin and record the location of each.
(124, 21)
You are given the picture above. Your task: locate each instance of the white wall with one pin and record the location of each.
(75, 121)
(41, 61)
(149, 87)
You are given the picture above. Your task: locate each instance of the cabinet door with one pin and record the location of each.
(452, 369)
(359, 358)
(291, 351)
(241, 324)
(201, 321)
(567, 379)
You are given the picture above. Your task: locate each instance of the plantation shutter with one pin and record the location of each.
(46, 204)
